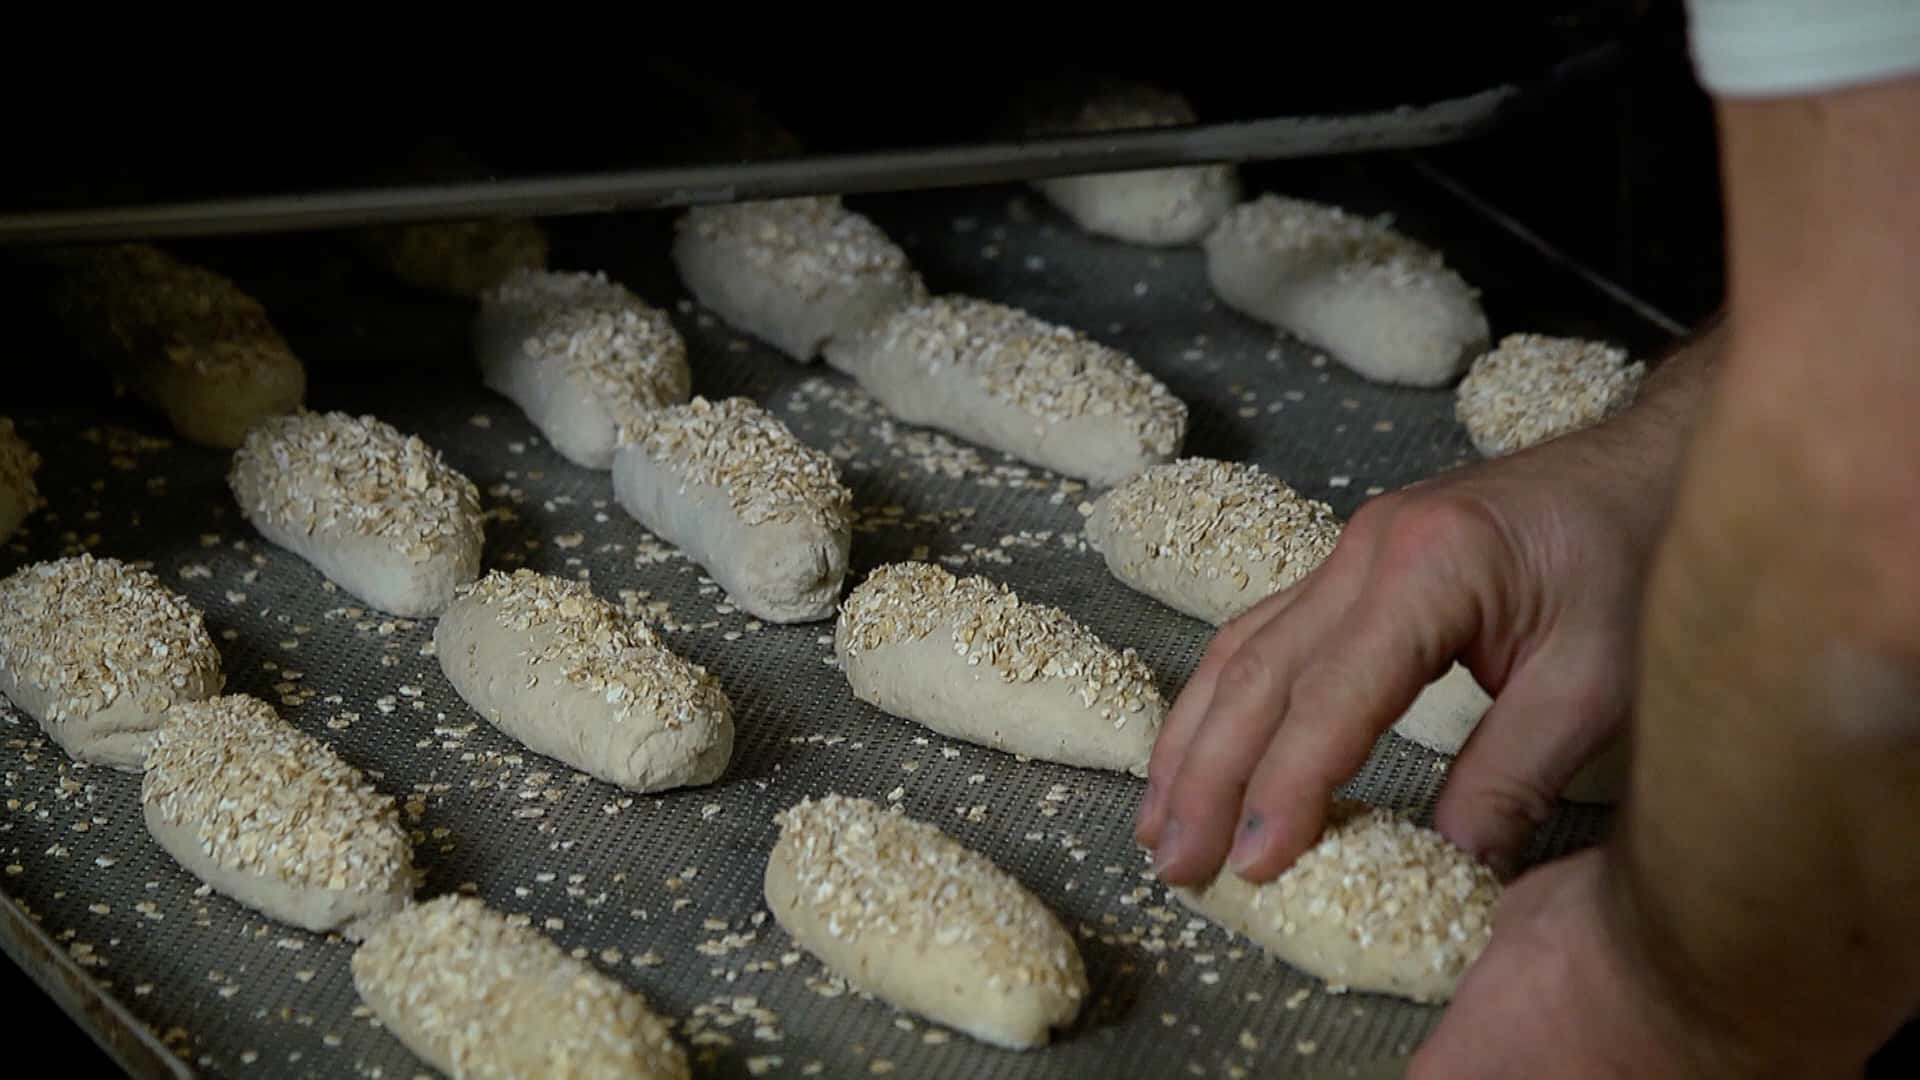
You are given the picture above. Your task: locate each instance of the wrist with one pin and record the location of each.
(1677, 1002)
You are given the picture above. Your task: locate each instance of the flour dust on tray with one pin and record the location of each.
(379, 513)
(97, 652)
(905, 912)
(563, 671)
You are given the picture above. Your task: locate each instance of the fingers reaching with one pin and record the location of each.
(1247, 701)
(1504, 782)
(1183, 720)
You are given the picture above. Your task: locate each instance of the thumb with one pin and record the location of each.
(1559, 708)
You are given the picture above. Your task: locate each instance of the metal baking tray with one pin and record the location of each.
(664, 892)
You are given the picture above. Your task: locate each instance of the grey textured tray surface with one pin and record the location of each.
(664, 891)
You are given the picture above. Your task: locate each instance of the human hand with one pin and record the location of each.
(1558, 992)
(1528, 568)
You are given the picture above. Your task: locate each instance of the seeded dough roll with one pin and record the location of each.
(183, 339)
(1381, 303)
(97, 652)
(1000, 377)
(905, 912)
(581, 356)
(764, 513)
(1533, 388)
(564, 672)
(270, 817)
(1159, 207)
(1447, 711)
(478, 995)
(1211, 539)
(458, 258)
(971, 660)
(794, 273)
(379, 513)
(1378, 905)
(18, 463)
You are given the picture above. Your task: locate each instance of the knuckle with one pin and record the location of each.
(1247, 672)
(1329, 687)
(1438, 525)
(1517, 805)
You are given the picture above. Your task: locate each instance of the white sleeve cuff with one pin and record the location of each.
(1754, 48)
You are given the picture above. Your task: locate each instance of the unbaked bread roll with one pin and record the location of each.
(764, 513)
(1532, 388)
(183, 339)
(581, 356)
(477, 995)
(1213, 538)
(904, 912)
(1383, 304)
(794, 273)
(272, 818)
(1005, 379)
(1210, 538)
(1159, 207)
(971, 660)
(1379, 904)
(1447, 711)
(564, 672)
(18, 463)
(97, 652)
(379, 513)
(458, 258)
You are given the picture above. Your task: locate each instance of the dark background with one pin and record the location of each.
(1618, 170)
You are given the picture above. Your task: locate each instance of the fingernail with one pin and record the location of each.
(1246, 844)
(1169, 847)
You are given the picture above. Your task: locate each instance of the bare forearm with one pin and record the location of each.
(1767, 862)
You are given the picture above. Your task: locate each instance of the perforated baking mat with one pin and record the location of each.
(663, 892)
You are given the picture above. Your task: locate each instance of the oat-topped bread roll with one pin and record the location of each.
(971, 660)
(1005, 379)
(97, 652)
(183, 339)
(458, 258)
(1379, 904)
(564, 672)
(272, 818)
(1210, 538)
(478, 995)
(764, 513)
(1532, 388)
(1148, 206)
(794, 273)
(1382, 303)
(378, 512)
(907, 913)
(18, 494)
(581, 356)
